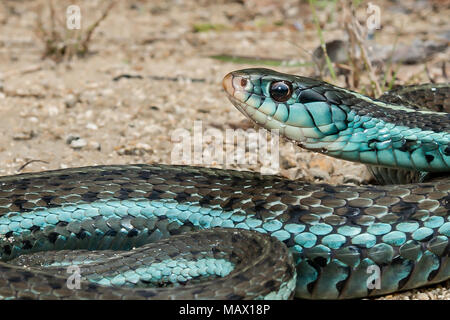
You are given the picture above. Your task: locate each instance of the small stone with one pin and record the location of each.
(321, 163)
(107, 92)
(76, 142)
(24, 135)
(70, 101)
(91, 126)
(318, 174)
(94, 145)
(423, 296)
(354, 179)
(135, 149)
(72, 137)
(89, 96)
(52, 110)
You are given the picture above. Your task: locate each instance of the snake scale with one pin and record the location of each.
(202, 233)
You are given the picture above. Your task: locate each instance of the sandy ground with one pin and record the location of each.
(73, 114)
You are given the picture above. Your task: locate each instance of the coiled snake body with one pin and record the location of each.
(313, 241)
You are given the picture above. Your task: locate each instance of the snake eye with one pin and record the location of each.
(280, 91)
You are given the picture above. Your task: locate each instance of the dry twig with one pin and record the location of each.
(61, 43)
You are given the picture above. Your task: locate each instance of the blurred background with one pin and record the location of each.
(108, 82)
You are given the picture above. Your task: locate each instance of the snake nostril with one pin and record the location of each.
(243, 82)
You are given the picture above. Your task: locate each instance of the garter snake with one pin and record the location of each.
(313, 241)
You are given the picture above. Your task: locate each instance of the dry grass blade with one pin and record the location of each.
(322, 40)
(60, 43)
(356, 37)
(92, 27)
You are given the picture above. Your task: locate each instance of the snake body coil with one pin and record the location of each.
(339, 241)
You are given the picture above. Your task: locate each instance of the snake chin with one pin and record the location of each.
(242, 107)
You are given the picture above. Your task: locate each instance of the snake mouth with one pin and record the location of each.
(253, 114)
(244, 108)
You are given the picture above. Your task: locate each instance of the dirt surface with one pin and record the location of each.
(73, 113)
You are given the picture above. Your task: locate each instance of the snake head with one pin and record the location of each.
(341, 123)
(302, 109)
